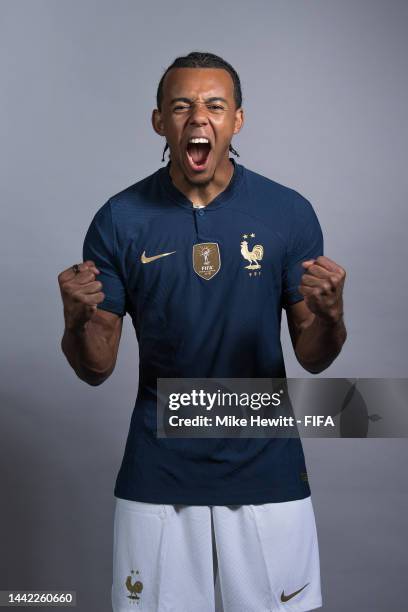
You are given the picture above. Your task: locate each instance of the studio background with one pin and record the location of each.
(325, 97)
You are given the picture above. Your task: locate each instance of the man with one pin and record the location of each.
(204, 254)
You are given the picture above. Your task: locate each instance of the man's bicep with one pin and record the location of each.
(305, 242)
(99, 246)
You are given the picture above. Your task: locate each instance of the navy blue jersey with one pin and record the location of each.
(205, 288)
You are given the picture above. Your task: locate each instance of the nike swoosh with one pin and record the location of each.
(287, 597)
(145, 259)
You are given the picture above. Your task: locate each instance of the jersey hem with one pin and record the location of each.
(205, 498)
(110, 307)
(291, 299)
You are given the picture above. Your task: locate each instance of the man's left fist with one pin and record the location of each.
(322, 287)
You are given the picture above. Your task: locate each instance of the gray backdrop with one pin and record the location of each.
(325, 96)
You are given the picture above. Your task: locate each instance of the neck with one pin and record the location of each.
(203, 193)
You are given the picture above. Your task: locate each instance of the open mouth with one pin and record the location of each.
(198, 155)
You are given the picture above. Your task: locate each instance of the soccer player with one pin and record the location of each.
(203, 255)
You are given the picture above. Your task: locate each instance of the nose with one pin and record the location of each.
(198, 113)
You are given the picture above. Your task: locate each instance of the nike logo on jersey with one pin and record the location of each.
(287, 597)
(145, 259)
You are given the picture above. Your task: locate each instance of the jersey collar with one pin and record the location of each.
(222, 198)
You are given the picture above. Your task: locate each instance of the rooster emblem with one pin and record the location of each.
(136, 587)
(254, 256)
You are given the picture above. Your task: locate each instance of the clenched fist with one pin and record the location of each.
(81, 293)
(322, 287)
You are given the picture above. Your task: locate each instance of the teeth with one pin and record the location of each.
(198, 140)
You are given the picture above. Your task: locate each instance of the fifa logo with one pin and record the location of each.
(206, 259)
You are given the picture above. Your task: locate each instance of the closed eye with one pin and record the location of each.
(216, 106)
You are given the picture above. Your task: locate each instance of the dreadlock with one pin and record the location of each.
(199, 59)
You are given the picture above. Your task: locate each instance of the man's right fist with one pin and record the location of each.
(80, 293)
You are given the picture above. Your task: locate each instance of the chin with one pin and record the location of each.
(198, 178)
(202, 179)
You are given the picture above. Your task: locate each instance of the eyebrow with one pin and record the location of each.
(188, 101)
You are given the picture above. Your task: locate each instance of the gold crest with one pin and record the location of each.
(134, 587)
(253, 256)
(206, 259)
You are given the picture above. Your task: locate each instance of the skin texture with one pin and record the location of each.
(316, 324)
(91, 337)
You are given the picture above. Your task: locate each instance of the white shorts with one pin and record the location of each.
(252, 558)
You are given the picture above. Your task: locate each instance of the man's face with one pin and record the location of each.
(198, 103)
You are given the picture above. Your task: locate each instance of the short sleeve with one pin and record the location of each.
(305, 242)
(99, 246)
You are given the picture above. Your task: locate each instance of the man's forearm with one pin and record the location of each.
(88, 353)
(319, 343)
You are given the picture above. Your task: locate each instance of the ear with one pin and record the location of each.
(239, 120)
(157, 122)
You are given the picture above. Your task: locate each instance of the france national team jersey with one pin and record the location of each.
(205, 288)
